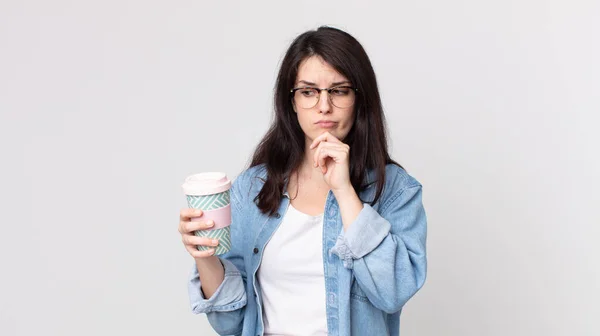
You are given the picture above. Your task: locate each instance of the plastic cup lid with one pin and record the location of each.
(206, 184)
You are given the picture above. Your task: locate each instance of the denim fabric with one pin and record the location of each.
(371, 270)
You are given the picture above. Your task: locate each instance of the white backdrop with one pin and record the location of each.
(106, 106)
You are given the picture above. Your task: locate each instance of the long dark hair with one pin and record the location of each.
(282, 148)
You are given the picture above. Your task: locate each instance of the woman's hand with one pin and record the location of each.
(210, 269)
(332, 156)
(190, 241)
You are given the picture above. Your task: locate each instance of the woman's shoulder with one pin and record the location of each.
(397, 181)
(395, 177)
(250, 180)
(252, 173)
(399, 185)
(399, 178)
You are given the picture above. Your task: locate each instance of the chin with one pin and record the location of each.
(333, 132)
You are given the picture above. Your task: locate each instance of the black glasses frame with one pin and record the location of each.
(293, 92)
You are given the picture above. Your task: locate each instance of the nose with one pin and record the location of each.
(324, 103)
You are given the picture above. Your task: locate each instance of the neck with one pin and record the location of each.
(307, 171)
(307, 166)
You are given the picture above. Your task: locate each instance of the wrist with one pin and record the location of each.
(347, 198)
(346, 191)
(208, 263)
(350, 205)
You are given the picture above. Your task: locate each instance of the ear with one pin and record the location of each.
(294, 107)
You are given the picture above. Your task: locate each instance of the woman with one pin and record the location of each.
(328, 233)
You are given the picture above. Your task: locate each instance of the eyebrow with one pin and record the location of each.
(332, 84)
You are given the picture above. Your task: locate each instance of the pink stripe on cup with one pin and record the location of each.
(221, 217)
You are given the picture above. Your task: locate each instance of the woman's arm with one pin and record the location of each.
(218, 285)
(211, 273)
(387, 251)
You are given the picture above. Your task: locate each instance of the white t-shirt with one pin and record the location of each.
(291, 277)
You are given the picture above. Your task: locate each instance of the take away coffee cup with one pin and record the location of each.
(209, 192)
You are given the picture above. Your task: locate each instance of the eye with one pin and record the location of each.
(340, 91)
(308, 92)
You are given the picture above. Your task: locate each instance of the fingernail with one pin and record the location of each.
(215, 242)
(211, 251)
(210, 224)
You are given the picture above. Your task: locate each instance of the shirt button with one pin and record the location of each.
(331, 298)
(277, 215)
(255, 250)
(332, 212)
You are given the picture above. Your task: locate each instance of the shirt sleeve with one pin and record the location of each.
(362, 237)
(225, 309)
(230, 295)
(386, 251)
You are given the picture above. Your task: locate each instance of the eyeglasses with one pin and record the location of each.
(339, 96)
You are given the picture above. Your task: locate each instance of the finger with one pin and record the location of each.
(323, 153)
(203, 241)
(186, 214)
(318, 140)
(316, 157)
(322, 158)
(192, 240)
(333, 145)
(199, 254)
(317, 154)
(340, 146)
(337, 154)
(189, 227)
(318, 150)
(325, 137)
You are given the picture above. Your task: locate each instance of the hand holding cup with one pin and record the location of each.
(191, 241)
(208, 194)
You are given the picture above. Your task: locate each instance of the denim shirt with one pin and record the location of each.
(371, 270)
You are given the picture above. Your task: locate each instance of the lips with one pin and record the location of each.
(326, 123)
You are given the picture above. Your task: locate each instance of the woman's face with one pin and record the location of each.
(324, 116)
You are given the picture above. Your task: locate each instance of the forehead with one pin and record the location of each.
(315, 69)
